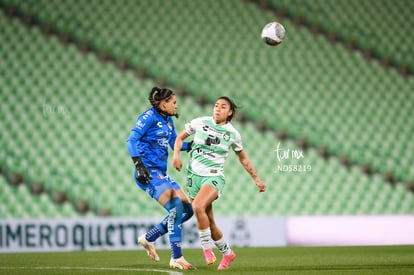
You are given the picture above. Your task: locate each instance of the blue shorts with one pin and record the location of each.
(159, 183)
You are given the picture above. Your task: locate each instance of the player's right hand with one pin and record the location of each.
(176, 162)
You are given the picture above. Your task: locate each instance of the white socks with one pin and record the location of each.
(205, 238)
(223, 246)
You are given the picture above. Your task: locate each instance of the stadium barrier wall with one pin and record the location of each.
(350, 230)
(117, 233)
(121, 233)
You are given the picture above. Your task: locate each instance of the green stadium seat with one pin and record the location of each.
(308, 87)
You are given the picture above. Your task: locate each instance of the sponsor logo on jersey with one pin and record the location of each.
(147, 114)
(212, 140)
(214, 134)
(139, 125)
(203, 152)
(162, 142)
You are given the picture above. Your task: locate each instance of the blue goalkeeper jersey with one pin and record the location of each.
(150, 137)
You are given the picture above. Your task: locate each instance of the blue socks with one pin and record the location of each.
(161, 228)
(154, 234)
(175, 216)
(178, 213)
(188, 212)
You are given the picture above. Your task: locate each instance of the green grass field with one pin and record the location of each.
(278, 260)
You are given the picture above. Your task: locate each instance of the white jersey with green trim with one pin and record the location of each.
(212, 143)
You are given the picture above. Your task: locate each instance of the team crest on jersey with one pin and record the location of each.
(226, 136)
(169, 126)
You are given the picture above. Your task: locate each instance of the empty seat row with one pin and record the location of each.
(87, 108)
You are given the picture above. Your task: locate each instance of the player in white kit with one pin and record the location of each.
(213, 138)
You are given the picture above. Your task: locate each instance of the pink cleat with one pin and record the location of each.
(226, 260)
(209, 256)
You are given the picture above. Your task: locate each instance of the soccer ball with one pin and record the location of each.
(273, 33)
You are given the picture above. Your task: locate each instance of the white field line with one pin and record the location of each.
(170, 272)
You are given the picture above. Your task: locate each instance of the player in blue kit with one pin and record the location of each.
(148, 147)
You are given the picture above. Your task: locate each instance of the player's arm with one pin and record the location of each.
(177, 148)
(248, 166)
(140, 127)
(186, 146)
(142, 124)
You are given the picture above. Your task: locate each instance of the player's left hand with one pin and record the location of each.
(261, 186)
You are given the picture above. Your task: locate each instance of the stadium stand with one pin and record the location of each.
(71, 94)
(379, 28)
(19, 202)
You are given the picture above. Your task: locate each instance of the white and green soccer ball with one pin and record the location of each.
(273, 33)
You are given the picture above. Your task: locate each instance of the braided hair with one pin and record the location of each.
(158, 94)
